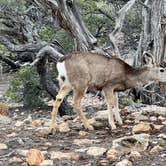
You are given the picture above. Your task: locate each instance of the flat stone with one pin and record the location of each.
(104, 162)
(153, 109)
(124, 162)
(81, 142)
(135, 114)
(163, 136)
(83, 133)
(156, 148)
(101, 115)
(153, 118)
(61, 155)
(16, 110)
(112, 154)
(42, 131)
(164, 122)
(141, 118)
(96, 151)
(158, 127)
(126, 144)
(163, 155)
(82, 150)
(135, 154)
(161, 118)
(15, 160)
(13, 134)
(47, 163)
(3, 146)
(22, 152)
(141, 127)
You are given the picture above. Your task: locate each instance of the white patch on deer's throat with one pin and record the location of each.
(61, 70)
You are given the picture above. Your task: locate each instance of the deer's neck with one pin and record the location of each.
(139, 77)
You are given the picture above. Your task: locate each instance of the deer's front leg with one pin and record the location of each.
(77, 96)
(109, 96)
(116, 109)
(64, 90)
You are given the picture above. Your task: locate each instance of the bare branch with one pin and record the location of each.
(144, 4)
(47, 51)
(29, 47)
(119, 23)
(105, 14)
(67, 15)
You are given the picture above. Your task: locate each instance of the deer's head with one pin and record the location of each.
(156, 72)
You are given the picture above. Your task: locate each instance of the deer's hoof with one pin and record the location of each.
(53, 128)
(113, 127)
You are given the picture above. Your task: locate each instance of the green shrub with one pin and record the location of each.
(26, 88)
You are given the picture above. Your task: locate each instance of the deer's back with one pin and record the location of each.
(93, 70)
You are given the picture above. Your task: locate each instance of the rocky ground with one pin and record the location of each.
(140, 141)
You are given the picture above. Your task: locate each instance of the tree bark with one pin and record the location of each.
(154, 31)
(67, 16)
(119, 24)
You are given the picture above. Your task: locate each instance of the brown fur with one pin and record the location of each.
(97, 70)
(68, 56)
(104, 73)
(4, 109)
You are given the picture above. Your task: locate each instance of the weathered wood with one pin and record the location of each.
(154, 31)
(67, 16)
(118, 25)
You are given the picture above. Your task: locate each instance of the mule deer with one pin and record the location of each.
(81, 70)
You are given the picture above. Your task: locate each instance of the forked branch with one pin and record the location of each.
(119, 23)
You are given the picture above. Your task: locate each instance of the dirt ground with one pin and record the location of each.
(23, 137)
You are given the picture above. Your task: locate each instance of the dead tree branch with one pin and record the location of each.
(119, 23)
(67, 16)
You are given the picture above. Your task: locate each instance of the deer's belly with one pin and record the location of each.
(95, 87)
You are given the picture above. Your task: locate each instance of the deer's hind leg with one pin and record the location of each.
(64, 90)
(116, 109)
(109, 96)
(77, 96)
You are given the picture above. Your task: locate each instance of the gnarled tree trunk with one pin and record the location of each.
(153, 32)
(153, 40)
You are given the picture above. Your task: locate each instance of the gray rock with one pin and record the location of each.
(96, 151)
(5, 120)
(101, 115)
(153, 109)
(137, 142)
(3, 146)
(124, 162)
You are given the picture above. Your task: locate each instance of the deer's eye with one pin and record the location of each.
(161, 70)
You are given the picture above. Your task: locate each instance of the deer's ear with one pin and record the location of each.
(148, 59)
